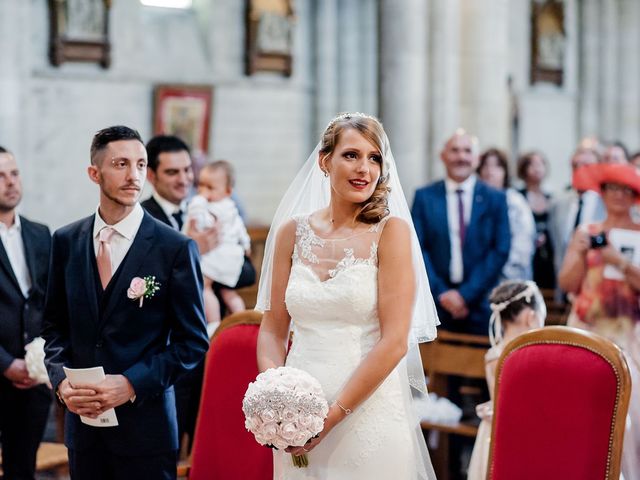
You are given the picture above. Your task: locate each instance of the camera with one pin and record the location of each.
(599, 240)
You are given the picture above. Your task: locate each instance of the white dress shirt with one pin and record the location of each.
(13, 245)
(121, 241)
(456, 267)
(170, 208)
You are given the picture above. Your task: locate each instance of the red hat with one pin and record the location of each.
(592, 177)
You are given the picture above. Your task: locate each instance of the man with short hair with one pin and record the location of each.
(124, 293)
(463, 228)
(171, 174)
(24, 267)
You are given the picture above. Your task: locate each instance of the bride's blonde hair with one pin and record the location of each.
(375, 208)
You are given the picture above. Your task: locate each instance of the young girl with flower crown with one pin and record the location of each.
(517, 306)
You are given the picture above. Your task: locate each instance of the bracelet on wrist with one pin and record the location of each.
(347, 411)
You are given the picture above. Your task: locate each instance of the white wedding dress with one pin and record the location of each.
(332, 299)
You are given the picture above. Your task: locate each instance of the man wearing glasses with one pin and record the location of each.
(125, 293)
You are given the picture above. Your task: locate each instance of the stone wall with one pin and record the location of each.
(427, 67)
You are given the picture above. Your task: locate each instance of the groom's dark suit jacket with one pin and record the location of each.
(152, 345)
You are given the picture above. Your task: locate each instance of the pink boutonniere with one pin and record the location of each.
(141, 288)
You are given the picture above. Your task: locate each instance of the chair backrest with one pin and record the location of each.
(222, 447)
(560, 406)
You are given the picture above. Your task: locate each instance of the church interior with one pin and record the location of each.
(256, 82)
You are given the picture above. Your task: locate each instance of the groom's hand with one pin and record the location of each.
(114, 391)
(80, 399)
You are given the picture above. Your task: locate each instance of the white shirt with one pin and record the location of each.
(170, 208)
(456, 267)
(121, 241)
(13, 245)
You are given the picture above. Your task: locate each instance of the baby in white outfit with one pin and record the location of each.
(223, 264)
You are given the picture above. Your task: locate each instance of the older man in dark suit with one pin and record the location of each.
(463, 228)
(125, 293)
(24, 260)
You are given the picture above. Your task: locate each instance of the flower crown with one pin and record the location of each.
(527, 294)
(495, 322)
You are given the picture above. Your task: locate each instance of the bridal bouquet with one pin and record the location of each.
(285, 407)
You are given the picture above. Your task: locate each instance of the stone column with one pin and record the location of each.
(368, 41)
(589, 116)
(484, 47)
(609, 72)
(349, 50)
(326, 101)
(444, 86)
(14, 58)
(629, 94)
(403, 86)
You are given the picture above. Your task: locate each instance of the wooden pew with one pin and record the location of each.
(451, 354)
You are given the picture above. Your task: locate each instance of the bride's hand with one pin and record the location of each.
(333, 418)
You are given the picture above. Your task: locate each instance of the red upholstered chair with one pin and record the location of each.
(561, 399)
(222, 448)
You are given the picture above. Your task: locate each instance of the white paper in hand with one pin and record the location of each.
(626, 242)
(92, 376)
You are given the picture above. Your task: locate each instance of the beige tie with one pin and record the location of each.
(103, 259)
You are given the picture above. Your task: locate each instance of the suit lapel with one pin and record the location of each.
(157, 211)
(477, 209)
(129, 267)
(28, 239)
(440, 209)
(441, 217)
(6, 265)
(87, 253)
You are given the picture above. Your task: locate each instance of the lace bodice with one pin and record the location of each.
(326, 257)
(333, 284)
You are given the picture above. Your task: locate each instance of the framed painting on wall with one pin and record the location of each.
(79, 31)
(184, 111)
(269, 36)
(548, 41)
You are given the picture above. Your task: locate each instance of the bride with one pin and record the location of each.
(343, 270)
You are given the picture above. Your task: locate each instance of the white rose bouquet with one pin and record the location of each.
(285, 407)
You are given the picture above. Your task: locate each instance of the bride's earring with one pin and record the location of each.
(326, 174)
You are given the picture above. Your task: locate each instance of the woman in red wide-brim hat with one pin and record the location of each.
(594, 177)
(602, 271)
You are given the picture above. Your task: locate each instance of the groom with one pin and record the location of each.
(95, 316)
